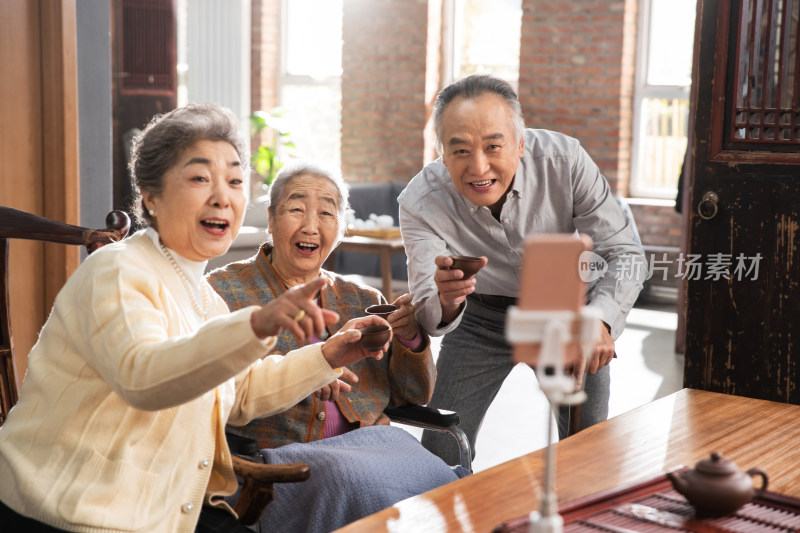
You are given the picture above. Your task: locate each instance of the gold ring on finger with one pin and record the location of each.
(299, 316)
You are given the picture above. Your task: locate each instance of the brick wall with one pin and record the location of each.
(576, 76)
(658, 223)
(383, 89)
(577, 62)
(265, 54)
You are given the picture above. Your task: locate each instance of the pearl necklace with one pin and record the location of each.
(201, 311)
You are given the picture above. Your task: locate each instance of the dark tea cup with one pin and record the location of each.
(381, 310)
(374, 337)
(466, 264)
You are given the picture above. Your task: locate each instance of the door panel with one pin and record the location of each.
(38, 159)
(144, 63)
(743, 330)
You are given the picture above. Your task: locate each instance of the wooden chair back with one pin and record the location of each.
(16, 224)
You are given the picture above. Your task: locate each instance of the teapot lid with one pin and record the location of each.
(716, 465)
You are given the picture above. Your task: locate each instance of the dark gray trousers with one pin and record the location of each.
(473, 362)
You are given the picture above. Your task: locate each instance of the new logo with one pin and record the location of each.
(591, 266)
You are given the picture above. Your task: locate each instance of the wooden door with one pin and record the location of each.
(743, 263)
(144, 80)
(39, 170)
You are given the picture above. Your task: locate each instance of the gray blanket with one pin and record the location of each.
(352, 475)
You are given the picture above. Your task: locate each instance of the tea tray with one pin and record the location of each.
(654, 506)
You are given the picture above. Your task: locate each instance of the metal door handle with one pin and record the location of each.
(708, 208)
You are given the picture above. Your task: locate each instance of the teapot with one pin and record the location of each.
(716, 486)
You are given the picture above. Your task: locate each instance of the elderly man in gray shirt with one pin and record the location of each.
(495, 184)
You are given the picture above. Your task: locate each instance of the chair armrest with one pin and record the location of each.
(16, 224)
(242, 446)
(285, 473)
(257, 490)
(422, 416)
(437, 420)
(257, 478)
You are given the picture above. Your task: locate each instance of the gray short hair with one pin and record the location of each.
(296, 169)
(472, 87)
(157, 148)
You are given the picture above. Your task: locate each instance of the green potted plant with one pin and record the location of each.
(269, 129)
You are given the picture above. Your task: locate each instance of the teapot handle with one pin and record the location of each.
(758, 472)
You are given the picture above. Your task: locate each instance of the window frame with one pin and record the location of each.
(642, 92)
(452, 32)
(286, 79)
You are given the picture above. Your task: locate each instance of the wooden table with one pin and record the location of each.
(385, 248)
(679, 429)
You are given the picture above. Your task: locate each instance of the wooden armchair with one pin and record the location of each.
(16, 224)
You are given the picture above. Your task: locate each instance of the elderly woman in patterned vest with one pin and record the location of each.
(306, 211)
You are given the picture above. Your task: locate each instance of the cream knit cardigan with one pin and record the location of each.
(121, 418)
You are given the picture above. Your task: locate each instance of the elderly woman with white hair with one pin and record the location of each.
(341, 432)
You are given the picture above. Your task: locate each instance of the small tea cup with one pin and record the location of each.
(374, 337)
(466, 264)
(381, 310)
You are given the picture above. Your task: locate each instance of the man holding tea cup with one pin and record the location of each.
(496, 183)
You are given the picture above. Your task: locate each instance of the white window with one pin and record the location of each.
(661, 113)
(213, 54)
(482, 36)
(311, 73)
